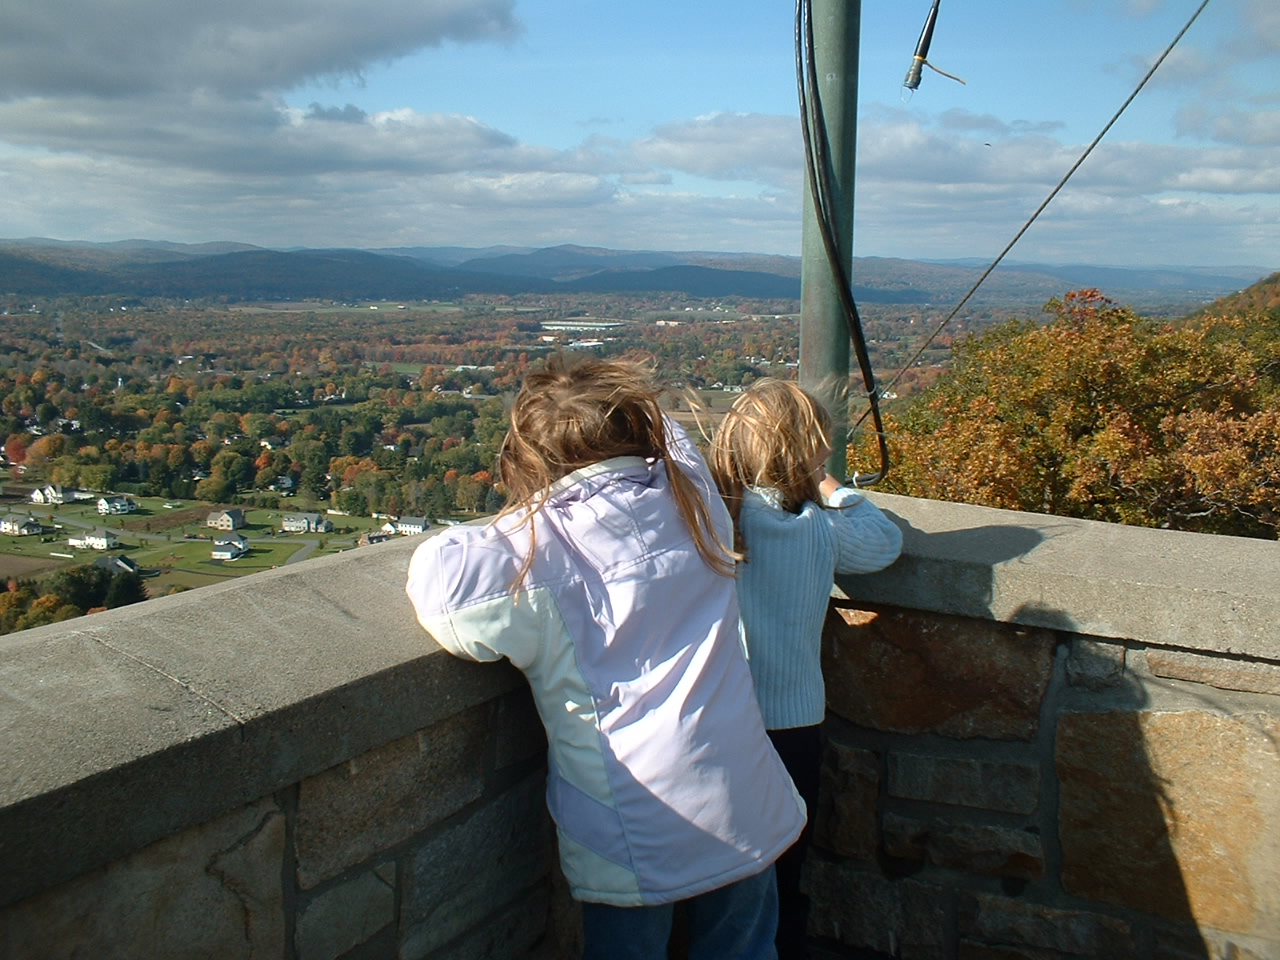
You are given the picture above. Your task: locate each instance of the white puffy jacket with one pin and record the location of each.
(663, 784)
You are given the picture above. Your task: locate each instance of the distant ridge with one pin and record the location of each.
(40, 267)
(258, 274)
(569, 262)
(27, 276)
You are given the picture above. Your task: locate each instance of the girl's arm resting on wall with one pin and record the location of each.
(430, 595)
(866, 540)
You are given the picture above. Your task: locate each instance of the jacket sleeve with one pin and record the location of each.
(432, 588)
(865, 539)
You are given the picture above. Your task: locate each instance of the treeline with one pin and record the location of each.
(65, 595)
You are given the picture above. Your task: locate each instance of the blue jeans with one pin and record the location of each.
(737, 922)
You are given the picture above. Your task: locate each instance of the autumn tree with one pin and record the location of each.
(1103, 415)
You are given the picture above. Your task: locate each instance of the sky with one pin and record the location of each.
(655, 125)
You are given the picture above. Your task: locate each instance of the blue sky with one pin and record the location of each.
(659, 125)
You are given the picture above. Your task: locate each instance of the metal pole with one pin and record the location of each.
(824, 338)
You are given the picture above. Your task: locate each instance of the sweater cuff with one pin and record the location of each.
(844, 497)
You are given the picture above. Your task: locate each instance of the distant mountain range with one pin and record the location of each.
(242, 272)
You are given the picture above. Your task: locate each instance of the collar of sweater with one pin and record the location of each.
(770, 496)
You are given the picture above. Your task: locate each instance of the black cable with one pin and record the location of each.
(817, 152)
(1035, 216)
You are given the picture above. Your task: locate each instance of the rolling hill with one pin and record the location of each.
(241, 272)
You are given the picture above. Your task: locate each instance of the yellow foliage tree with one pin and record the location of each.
(1104, 415)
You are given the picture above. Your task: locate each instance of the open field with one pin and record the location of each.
(153, 517)
(13, 566)
(701, 423)
(152, 534)
(156, 538)
(188, 564)
(327, 307)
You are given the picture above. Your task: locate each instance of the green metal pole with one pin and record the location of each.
(824, 338)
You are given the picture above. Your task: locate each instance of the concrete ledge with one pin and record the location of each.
(131, 725)
(1161, 587)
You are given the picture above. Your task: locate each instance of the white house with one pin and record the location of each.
(95, 540)
(113, 506)
(305, 523)
(407, 526)
(17, 525)
(50, 494)
(230, 546)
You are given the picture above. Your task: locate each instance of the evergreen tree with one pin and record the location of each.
(126, 588)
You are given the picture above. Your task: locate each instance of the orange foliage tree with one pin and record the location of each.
(1103, 415)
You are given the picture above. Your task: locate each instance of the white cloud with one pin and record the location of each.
(1260, 36)
(728, 146)
(166, 118)
(272, 175)
(1227, 78)
(261, 136)
(1258, 128)
(69, 47)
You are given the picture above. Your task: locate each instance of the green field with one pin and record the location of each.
(188, 564)
(155, 536)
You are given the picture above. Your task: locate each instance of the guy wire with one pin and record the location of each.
(1026, 226)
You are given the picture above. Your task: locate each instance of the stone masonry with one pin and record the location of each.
(1023, 790)
(399, 812)
(374, 856)
(1142, 820)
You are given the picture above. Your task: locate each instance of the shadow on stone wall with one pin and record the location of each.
(1119, 799)
(966, 751)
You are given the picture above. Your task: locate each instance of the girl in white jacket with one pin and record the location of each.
(796, 528)
(608, 581)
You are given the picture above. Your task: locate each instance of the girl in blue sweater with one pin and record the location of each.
(797, 527)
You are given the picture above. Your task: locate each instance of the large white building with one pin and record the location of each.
(95, 540)
(230, 546)
(407, 526)
(305, 523)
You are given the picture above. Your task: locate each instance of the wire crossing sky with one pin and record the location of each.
(659, 125)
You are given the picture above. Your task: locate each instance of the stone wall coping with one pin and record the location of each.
(1160, 587)
(130, 725)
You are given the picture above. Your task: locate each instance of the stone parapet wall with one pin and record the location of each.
(1049, 740)
(434, 845)
(1027, 790)
(287, 767)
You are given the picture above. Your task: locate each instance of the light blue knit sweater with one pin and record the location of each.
(784, 585)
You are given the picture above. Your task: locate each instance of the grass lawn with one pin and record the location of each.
(188, 563)
(153, 537)
(408, 369)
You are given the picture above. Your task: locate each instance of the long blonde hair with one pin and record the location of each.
(770, 438)
(579, 410)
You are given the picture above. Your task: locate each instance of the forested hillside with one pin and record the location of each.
(1105, 415)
